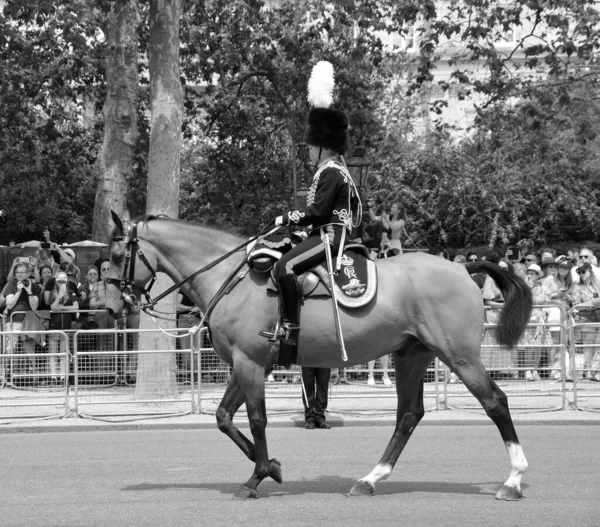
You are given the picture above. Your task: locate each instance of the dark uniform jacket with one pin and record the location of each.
(328, 200)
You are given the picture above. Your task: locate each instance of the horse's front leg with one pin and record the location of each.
(251, 378)
(409, 372)
(232, 399)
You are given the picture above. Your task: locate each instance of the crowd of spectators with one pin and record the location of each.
(44, 294)
(565, 287)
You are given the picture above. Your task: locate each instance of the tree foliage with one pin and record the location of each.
(527, 170)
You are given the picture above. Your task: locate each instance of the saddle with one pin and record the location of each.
(355, 283)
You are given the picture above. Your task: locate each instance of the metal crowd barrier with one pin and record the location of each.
(120, 373)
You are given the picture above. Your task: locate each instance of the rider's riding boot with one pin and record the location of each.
(289, 329)
(288, 326)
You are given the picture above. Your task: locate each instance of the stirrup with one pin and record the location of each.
(286, 332)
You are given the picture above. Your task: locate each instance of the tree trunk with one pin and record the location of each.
(120, 116)
(156, 372)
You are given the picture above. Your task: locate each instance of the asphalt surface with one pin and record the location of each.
(447, 475)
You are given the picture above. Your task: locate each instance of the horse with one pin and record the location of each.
(425, 307)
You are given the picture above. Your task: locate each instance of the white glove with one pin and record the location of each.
(279, 220)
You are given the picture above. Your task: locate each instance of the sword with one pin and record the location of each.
(336, 312)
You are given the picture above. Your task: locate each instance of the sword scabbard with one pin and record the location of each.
(336, 311)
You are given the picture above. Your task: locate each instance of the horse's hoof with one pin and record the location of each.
(275, 470)
(507, 493)
(245, 493)
(362, 488)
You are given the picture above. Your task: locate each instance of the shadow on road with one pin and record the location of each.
(330, 485)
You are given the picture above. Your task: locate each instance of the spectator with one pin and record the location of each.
(586, 303)
(394, 224)
(85, 289)
(86, 320)
(586, 255)
(472, 257)
(533, 337)
(573, 255)
(530, 258)
(460, 259)
(66, 255)
(315, 385)
(31, 263)
(564, 277)
(98, 302)
(547, 253)
(556, 313)
(45, 275)
(61, 295)
(22, 295)
(71, 271)
(384, 363)
(551, 279)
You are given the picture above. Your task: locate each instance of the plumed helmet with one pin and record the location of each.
(325, 127)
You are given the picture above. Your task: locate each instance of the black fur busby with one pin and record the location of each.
(325, 127)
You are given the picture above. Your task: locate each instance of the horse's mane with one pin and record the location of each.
(215, 231)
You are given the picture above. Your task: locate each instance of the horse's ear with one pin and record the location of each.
(117, 221)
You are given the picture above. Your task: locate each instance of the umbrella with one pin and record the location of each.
(87, 243)
(30, 243)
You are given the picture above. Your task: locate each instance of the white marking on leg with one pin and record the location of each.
(518, 465)
(378, 473)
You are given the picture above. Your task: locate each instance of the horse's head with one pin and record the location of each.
(132, 266)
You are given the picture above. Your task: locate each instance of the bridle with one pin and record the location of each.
(126, 282)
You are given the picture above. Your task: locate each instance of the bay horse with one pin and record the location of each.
(425, 307)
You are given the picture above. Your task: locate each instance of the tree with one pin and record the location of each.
(120, 115)
(156, 372)
(48, 140)
(257, 62)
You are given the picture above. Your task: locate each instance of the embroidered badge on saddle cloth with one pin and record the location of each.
(356, 281)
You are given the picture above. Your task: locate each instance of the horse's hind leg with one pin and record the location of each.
(494, 402)
(410, 365)
(232, 399)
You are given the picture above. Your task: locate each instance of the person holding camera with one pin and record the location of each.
(62, 297)
(21, 294)
(66, 255)
(394, 224)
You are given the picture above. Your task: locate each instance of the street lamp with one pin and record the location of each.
(358, 166)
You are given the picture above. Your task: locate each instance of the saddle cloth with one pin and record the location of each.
(355, 283)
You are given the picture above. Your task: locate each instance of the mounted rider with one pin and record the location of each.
(329, 205)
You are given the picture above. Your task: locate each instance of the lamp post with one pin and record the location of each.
(358, 165)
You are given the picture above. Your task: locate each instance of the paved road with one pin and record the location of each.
(447, 476)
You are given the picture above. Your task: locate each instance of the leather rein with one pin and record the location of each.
(127, 286)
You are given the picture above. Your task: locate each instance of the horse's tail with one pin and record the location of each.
(518, 301)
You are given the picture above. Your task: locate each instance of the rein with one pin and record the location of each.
(127, 284)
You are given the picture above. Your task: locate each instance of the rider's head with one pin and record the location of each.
(326, 128)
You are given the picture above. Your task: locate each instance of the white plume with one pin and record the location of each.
(320, 85)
